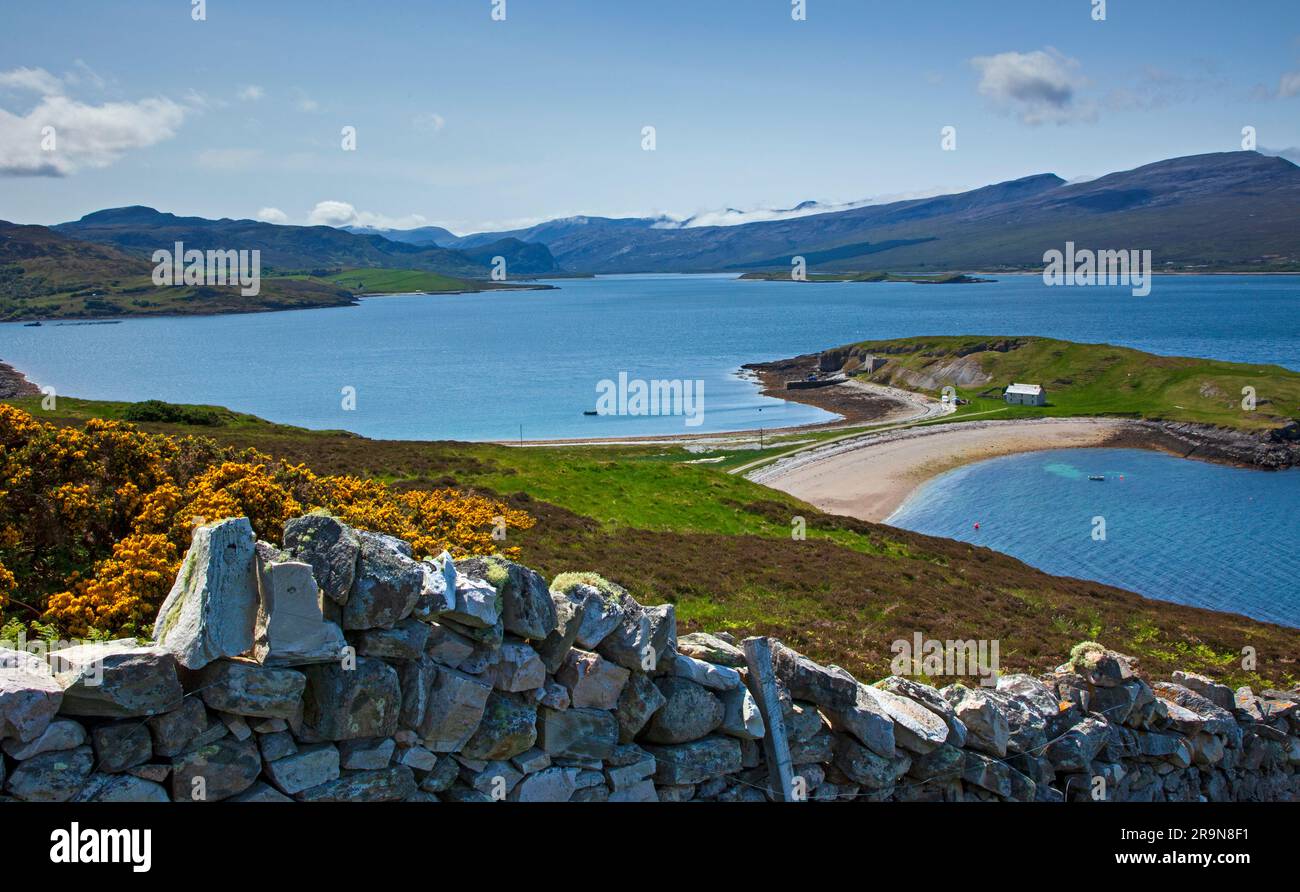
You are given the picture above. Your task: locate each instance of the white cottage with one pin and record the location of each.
(1025, 395)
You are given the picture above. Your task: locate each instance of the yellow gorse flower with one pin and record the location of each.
(94, 522)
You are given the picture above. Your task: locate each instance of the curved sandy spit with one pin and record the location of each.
(869, 477)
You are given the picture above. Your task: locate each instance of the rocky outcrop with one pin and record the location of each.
(1274, 449)
(358, 673)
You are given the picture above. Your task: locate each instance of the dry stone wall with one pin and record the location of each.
(341, 668)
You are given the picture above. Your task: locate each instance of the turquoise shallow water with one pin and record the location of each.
(1179, 530)
(477, 366)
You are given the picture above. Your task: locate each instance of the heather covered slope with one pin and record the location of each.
(720, 549)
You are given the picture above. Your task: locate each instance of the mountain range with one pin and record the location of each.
(1229, 210)
(1224, 211)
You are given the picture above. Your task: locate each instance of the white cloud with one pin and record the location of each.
(34, 80)
(1289, 85)
(733, 217)
(340, 213)
(272, 215)
(1039, 87)
(82, 135)
(251, 93)
(304, 102)
(430, 121)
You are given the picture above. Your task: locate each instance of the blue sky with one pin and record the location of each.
(473, 123)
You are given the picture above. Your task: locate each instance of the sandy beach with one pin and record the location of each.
(868, 477)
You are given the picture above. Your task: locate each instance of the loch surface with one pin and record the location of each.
(480, 366)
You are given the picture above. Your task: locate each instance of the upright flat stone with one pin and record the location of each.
(211, 610)
(761, 679)
(291, 630)
(331, 548)
(117, 679)
(387, 584)
(342, 704)
(246, 689)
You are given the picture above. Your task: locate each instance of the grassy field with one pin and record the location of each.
(724, 551)
(1086, 379)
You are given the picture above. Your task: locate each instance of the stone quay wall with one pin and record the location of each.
(338, 667)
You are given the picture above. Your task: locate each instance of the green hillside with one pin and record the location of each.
(1085, 379)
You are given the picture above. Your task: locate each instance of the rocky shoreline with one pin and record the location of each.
(340, 668)
(14, 383)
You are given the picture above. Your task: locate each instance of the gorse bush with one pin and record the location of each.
(94, 522)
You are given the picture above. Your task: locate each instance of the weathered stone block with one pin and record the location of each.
(342, 704)
(117, 679)
(211, 610)
(577, 733)
(247, 689)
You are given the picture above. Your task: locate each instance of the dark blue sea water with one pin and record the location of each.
(1185, 531)
(478, 366)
